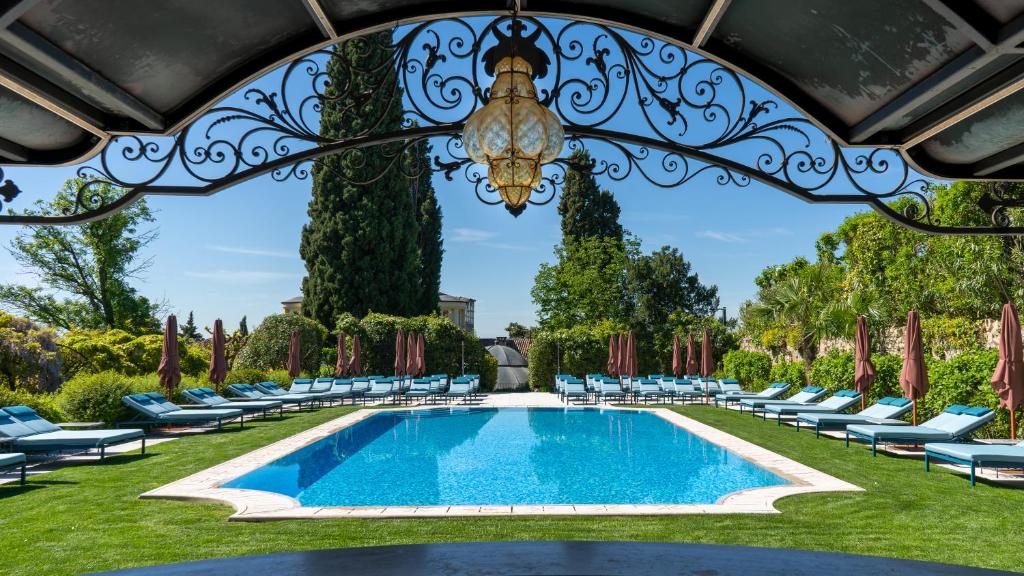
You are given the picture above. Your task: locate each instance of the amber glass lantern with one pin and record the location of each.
(513, 134)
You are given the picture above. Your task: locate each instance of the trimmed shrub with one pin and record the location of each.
(752, 369)
(489, 372)
(887, 377)
(584, 349)
(97, 397)
(44, 403)
(280, 377)
(964, 379)
(445, 343)
(833, 371)
(789, 372)
(267, 347)
(244, 376)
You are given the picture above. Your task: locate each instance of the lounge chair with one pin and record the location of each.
(13, 462)
(806, 396)
(975, 455)
(611, 390)
(295, 392)
(886, 411)
(248, 392)
(381, 388)
(770, 393)
(209, 397)
(575, 389)
(33, 433)
(953, 423)
(360, 385)
(322, 387)
(668, 387)
(419, 389)
(460, 388)
(341, 389)
(153, 408)
(687, 390)
(650, 389)
(839, 402)
(729, 386)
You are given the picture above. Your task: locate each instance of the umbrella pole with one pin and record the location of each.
(914, 417)
(1013, 425)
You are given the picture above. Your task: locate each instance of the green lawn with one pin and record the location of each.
(88, 518)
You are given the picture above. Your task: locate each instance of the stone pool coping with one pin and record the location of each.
(257, 505)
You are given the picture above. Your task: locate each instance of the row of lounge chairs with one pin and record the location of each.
(656, 387)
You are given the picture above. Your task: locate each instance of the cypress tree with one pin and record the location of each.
(430, 244)
(586, 210)
(189, 330)
(360, 245)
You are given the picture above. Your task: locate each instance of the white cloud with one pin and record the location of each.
(240, 276)
(473, 235)
(721, 236)
(251, 251)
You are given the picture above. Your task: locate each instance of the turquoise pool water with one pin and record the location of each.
(479, 456)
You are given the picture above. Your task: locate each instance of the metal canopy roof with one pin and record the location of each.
(939, 79)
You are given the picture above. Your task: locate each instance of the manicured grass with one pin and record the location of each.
(89, 518)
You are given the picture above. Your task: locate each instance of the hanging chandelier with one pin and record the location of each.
(513, 134)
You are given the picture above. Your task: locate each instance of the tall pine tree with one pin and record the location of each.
(586, 210)
(360, 245)
(430, 244)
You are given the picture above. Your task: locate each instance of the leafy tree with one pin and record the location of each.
(243, 327)
(360, 245)
(430, 243)
(517, 330)
(589, 283)
(586, 210)
(94, 263)
(189, 330)
(28, 355)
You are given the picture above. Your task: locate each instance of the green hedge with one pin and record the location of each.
(833, 371)
(752, 369)
(584, 350)
(789, 372)
(91, 351)
(267, 346)
(97, 397)
(46, 404)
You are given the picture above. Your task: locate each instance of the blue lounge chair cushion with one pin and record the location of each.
(812, 389)
(77, 439)
(977, 411)
(12, 428)
(1002, 453)
(956, 409)
(31, 420)
(7, 460)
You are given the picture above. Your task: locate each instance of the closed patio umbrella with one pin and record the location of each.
(613, 356)
(707, 362)
(623, 350)
(691, 355)
(1008, 378)
(914, 376)
(864, 369)
(294, 355)
(399, 353)
(677, 357)
(355, 365)
(410, 354)
(631, 367)
(341, 366)
(218, 363)
(169, 368)
(421, 355)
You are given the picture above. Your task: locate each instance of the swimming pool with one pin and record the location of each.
(508, 456)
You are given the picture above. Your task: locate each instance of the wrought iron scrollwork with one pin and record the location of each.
(644, 108)
(8, 189)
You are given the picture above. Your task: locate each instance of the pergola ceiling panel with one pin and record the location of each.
(841, 53)
(910, 74)
(164, 53)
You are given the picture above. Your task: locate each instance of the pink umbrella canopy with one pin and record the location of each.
(864, 369)
(691, 356)
(399, 353)
(294, 355)
(169, 369)
(677, 357)
(421, 355)
(914, 376)
(623, 349)
(631, 364)
(218, 362)
(341, 366)
(613, 356)
(1008, 378)
(355, 365)
(707, 362)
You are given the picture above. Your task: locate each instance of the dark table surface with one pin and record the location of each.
(557, 558)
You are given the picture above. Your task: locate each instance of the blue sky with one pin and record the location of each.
(236, 253)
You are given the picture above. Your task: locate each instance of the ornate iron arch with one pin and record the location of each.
(643, 107)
